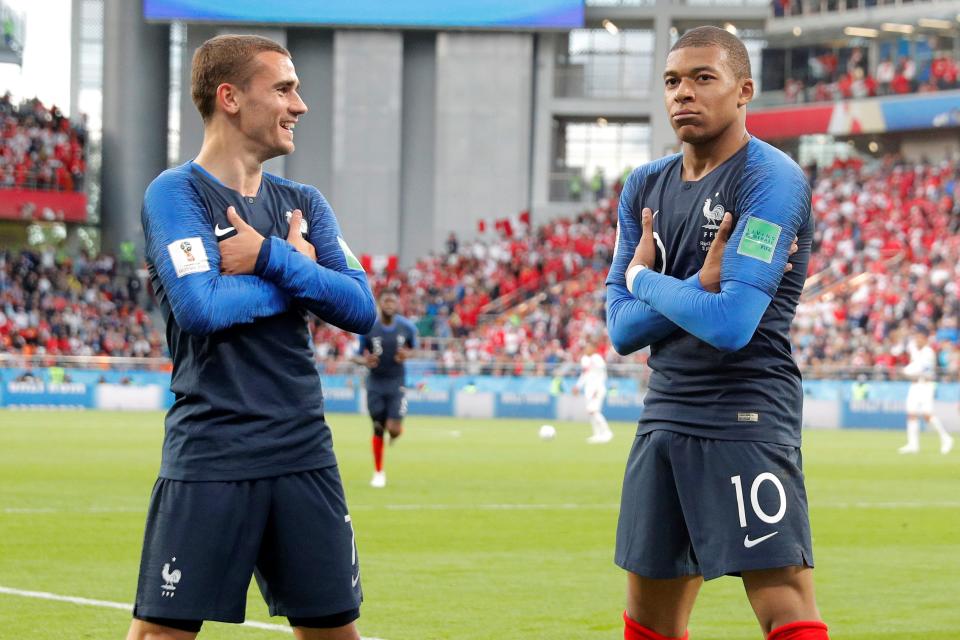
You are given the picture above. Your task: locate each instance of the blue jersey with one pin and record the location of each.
(384, 341)
(750, 391)
(247, 398)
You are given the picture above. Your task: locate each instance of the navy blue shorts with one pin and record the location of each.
(696, 506)
(204, 540)
(386, 403)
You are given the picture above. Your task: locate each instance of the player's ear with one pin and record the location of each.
(228, 97)
(747, 89)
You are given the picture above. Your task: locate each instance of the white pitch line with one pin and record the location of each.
(43, 595)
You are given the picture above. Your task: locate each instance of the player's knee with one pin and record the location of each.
(395, 427)
(378, 429)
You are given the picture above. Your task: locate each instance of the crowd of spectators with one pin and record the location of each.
(40, 148)
(886, 264)
(828, 81)
(525, 300)
(74, 307)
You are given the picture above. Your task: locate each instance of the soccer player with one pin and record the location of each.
(593, 383)
(922, 369)
(384, 350)
(248, 482)
(713, 483)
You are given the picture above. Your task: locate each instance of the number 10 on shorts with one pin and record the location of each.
(755, 503)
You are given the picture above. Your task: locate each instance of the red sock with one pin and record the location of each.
(803, 630)
(633, 630)
(378, 453)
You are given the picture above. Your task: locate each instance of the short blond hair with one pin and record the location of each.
(227, 58)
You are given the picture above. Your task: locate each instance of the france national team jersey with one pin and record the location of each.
(248, 402)
(385, 342)
(753, 393)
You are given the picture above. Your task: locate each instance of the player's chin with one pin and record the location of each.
(694, 135)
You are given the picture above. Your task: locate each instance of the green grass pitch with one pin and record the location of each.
(484, 532)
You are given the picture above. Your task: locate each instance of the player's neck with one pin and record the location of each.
(701, 159)
(241, 171)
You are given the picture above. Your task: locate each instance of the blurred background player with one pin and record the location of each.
(593, 384)
(722, 415)
(384, 350)
(922, 369)
(248, 483)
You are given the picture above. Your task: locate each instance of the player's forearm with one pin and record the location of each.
(225, 301)
(725, 320)
(342, 299)
(633, 324)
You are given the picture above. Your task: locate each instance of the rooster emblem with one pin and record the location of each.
(171, 578)
(713, 215)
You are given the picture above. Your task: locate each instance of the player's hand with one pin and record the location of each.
(646, 251)
(238, 255)
(296, 238)
(371, 361)
(402, 355)
(710, 272)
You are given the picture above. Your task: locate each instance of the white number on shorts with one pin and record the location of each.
(755, 503)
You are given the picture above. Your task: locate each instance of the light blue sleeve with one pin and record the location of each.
(203, 301)
(334, 287)
(631, 323)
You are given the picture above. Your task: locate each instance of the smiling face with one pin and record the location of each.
(268, 105)
(702, 93)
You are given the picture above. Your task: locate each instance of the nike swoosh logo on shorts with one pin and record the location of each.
(748, 543)
(222, 232)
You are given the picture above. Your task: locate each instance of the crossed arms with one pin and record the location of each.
(211, 286)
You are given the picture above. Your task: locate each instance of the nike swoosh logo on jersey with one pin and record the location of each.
(748, 543)
(222, 232)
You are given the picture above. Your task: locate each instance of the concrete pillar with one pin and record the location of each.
(136, 83)
(663, 140)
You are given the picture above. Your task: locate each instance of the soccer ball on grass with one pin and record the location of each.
(548, 432)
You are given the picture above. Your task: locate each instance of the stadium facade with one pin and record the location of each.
(416, 133)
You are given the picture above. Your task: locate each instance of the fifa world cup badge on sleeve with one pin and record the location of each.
(188, 256)
(759, 239)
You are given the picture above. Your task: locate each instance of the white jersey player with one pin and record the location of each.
(593, 383)
(922, 370)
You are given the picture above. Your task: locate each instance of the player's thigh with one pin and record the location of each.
(140, 630)
(377, 405)
(200, 547)
(594, 399)
(744, 503)
(652, 536)
(308, 565)
(397, 405)
(781, 596)
(347, 632)
(920, 399)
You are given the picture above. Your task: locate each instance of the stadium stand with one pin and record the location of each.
(522, 300)
(40, 148)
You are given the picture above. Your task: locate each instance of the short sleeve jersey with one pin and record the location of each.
(754, 393)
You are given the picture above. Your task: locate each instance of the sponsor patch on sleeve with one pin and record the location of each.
(188, 256)
(351, 259)
(759, 240)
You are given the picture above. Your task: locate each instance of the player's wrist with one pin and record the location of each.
(632, 274)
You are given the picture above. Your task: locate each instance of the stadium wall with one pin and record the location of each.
(827, 404)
